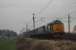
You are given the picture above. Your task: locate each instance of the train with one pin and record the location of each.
(54, 27)
(53, 30)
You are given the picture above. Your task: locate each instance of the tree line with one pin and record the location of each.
(7, 34)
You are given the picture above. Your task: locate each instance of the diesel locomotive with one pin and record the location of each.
(53, 29)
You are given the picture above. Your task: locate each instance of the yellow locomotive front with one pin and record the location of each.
(56, 26)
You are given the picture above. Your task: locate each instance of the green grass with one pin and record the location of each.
(7, 45)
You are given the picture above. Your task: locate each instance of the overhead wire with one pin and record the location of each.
(46, 6)
(42, 10)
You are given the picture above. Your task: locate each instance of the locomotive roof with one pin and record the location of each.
(56, 22)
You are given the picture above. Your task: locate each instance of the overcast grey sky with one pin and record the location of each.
(14, 14)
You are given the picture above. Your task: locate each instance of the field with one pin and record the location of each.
(36, 44)
(7, 44)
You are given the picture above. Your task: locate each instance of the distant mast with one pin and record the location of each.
(33, 20)
(68, 23)
(74, 29)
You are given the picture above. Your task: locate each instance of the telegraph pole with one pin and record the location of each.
(27, 29)
(33, 20)
(68, 23)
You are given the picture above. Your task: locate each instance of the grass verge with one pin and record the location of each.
(7, 44)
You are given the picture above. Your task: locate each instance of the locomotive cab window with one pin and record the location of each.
(49, 28)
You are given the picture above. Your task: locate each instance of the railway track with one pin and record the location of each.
(55, 36)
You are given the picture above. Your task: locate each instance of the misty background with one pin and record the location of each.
(15, 14)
